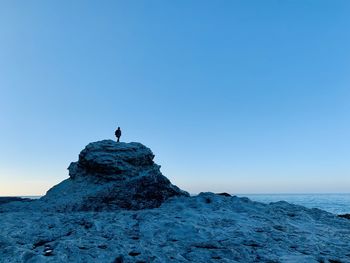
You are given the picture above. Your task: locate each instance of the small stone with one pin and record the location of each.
(224, 194)
(48, 252)
(134, 253)
(102, 246)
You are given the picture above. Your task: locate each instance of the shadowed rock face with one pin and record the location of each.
(109, 176)
(347, 216)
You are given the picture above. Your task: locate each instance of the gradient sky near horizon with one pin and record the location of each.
(235, 96)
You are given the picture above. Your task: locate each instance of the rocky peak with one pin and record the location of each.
(111, 160)
(111, 175)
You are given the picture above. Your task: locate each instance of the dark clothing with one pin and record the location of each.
(118, 133)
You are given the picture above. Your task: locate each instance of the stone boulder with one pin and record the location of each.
(110, 176)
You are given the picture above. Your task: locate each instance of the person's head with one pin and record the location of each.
(118, 128)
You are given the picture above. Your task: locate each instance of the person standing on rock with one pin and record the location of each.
(118, 133)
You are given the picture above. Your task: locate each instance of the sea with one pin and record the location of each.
(333, 203)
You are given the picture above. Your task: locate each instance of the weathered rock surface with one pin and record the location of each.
(109, 176)
(119, 180)
(203, 228)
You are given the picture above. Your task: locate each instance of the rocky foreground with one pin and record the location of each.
(117, 207)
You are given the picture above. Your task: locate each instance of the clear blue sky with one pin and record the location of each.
(236, 96)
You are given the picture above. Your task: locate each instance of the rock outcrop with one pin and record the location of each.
(110, 176)
(347, 216)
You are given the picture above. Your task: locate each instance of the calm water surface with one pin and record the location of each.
(334, 203)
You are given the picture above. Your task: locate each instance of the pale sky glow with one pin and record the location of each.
(235, 96)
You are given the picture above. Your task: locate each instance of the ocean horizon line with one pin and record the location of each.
(238, 194)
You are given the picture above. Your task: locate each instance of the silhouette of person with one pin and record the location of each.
(118, 133)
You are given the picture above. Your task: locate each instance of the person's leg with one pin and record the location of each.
(118, 139)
